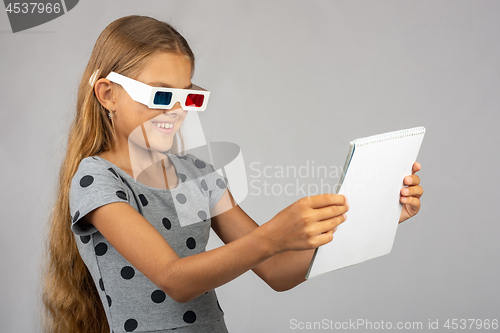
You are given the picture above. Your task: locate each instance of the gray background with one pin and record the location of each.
(291, 82)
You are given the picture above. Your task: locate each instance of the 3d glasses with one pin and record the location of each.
(194, 99)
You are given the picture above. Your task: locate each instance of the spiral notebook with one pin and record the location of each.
(371, 180)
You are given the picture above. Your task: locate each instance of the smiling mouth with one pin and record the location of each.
(164, 127)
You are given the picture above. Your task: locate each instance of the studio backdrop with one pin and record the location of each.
(291, 83)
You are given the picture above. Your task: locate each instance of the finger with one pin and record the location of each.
(413, 202)
(412, 180)
(329, 224)
(328, 212)
(416, 167)
(323, 239)
(412, 191)
(323, 200)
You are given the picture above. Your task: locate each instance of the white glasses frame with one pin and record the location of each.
(145, 94)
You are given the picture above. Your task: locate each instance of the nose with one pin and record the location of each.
(176, 110)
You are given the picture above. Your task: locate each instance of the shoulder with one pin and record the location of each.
(91, 169)
(97, 165)
(90, 163)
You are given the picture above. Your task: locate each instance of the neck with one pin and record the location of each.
(135, 159)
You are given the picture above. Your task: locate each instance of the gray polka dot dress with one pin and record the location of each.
(181, 215)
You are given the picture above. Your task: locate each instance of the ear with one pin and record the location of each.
(106, 94)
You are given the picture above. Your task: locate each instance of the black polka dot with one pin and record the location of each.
(189, 317)
(204, 184)
(221, 183)
(109, 300)
(219, 306)
(199, 164)
(113, 172)
(77, 215)
(95, 158)
(190, 243)
(86, 181)
(101, 249)
(127, 272)
(210, 193)
(182, 177)
(121, 195)
(202, 215)
(166, 223)
(181, 198)
(143, 199)
(123, 181)
(158, 296)
(130, 325)
(85, 239)
(101, 284)
(183, 157)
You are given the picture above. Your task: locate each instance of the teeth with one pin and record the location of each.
(163, 125)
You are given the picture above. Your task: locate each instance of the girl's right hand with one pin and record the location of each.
(307, 223)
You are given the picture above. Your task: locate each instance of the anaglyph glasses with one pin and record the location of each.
(194, 99)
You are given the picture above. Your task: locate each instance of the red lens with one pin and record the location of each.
(195, 100)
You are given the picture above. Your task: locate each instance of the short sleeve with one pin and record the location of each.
(93, 185)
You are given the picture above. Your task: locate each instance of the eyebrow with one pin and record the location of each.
(161, 84)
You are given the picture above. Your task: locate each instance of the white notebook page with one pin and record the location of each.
(372, 181)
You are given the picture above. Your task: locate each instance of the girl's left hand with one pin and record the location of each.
(410, 196)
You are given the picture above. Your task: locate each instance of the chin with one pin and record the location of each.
(163, 146)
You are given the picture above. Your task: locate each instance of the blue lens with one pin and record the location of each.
(162, 98)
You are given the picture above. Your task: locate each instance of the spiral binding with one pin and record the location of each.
(389, 136)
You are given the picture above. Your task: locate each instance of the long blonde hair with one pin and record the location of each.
(70, 301)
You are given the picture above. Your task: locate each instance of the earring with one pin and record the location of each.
(109, 115)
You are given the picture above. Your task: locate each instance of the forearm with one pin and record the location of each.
(288, 269)
(187, 278)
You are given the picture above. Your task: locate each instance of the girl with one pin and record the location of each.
(127, 254)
